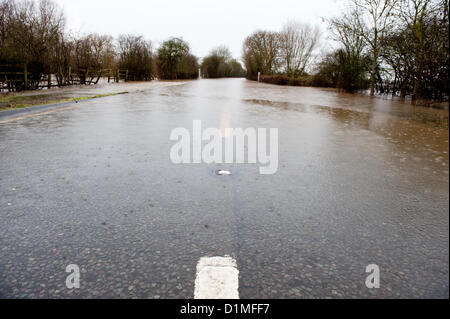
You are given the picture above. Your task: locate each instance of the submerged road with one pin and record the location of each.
(360, 181)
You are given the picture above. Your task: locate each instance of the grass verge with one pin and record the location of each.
(19, 102)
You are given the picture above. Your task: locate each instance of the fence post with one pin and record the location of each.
(49, 83)
(118, 75)
(126, 76)
(25, 75)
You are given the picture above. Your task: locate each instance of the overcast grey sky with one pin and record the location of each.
(203, 23)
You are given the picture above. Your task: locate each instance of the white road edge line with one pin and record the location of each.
(217, 278)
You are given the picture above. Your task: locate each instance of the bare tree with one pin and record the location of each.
(414, 14)
(223, 52)
(375, 18)
(261, 53)
(345, 68)
(62, 58)
(136, 55)
(34, 30)
(29, 33)
(347, 31)
(297, 43)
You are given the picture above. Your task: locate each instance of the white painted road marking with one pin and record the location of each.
(217, 278)
(223, 172)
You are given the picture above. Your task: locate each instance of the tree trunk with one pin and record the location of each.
(418, 80)
(373, 73)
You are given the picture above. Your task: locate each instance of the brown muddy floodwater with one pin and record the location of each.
(360, 181)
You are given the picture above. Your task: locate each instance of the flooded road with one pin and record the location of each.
(360, 181)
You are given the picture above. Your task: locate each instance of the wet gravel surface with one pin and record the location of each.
(94, 186)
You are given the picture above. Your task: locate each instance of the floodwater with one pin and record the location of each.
(360, 181)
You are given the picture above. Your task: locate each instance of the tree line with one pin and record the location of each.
(33, 36)
(220, 63)
(398, 47)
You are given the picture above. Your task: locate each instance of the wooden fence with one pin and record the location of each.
(14, 77)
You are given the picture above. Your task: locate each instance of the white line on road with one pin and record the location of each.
(217, 278)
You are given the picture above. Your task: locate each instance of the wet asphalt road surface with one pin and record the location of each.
(359, 182)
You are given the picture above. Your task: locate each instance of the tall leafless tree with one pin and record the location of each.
(375, 17)
(261, 53)
(297, 43)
